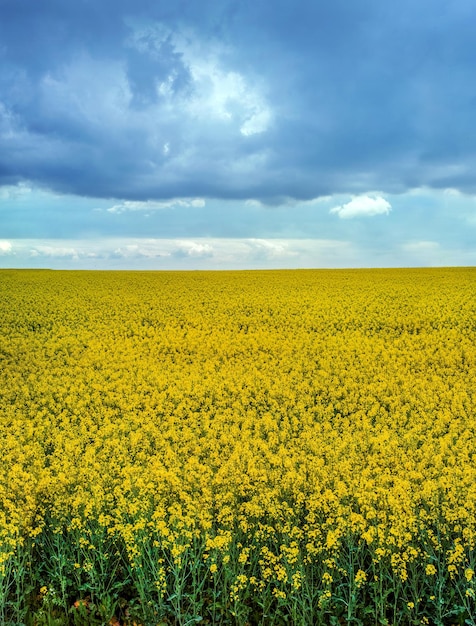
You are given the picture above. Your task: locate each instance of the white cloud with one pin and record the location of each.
(421, 246)
(147, 249)
(216, 92)
(224, 253)
(257, 122)
(226, 95)
(55, 251)
(133, 205)
(454, 193)
(159, 248)
(5, 247)
(431, 253)
(363, 206)
(271, 249)
(205, 253)
(194, 249)
(256, 204)
(14, 192)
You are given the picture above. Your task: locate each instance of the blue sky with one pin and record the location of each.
(237, 134)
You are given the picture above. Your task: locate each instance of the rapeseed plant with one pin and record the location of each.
(238, 447)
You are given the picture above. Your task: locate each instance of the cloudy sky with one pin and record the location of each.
(221, 134)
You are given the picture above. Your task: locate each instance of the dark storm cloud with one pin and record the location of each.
(271, 100)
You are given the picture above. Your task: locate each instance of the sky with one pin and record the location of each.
(237, 134)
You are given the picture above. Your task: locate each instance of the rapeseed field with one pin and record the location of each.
(266, 447)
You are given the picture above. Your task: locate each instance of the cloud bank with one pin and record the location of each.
(151, 101)
(228, 253)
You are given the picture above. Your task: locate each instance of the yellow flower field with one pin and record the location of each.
(265, 447)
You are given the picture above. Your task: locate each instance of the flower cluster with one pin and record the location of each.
(266, 423)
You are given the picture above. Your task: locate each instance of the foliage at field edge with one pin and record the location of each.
(280, 447)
